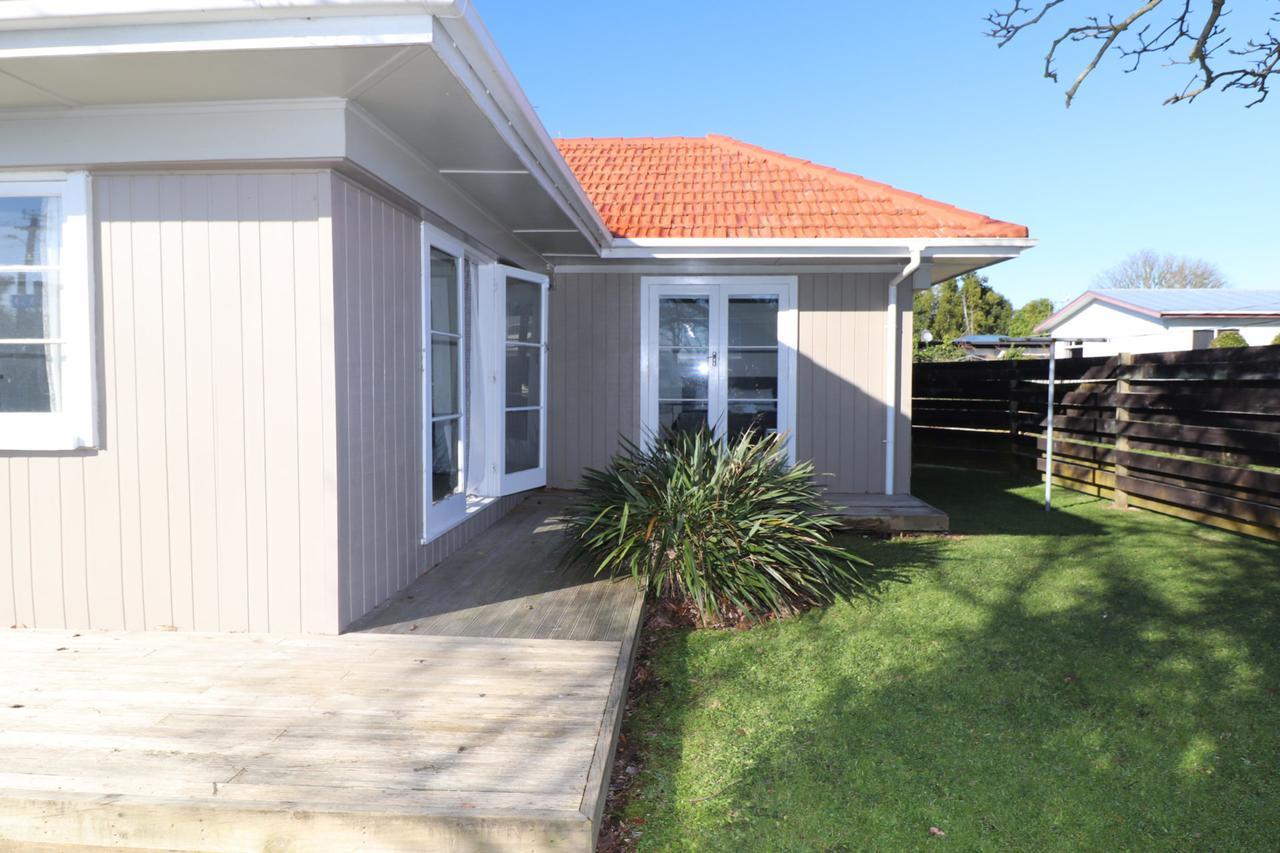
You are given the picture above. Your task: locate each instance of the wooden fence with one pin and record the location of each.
(1191, 434)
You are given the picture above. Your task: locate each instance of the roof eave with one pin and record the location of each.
(854, 248)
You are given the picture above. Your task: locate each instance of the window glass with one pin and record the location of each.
(523, 441)
(29, 230)
(444, 293)
(524, 311)
(445, 393)
(30, 367)
(446, 477)
(524, 376)
(684, 322)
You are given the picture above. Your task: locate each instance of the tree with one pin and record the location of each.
(1216, 57)
(1146, 270)
(963, 306)
(1026, 318)
(1228, 338)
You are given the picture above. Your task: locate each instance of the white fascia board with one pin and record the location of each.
(707, 248)
(60, 14)
(303, 129)
(466, 47)
(209, 36)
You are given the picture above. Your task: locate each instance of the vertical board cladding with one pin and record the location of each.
(840, 376)
(377, 283)
(211, 504)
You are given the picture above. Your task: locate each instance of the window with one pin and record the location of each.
(1201, 338)
(46, 345)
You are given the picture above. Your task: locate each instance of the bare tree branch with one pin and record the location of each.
(1134, 38)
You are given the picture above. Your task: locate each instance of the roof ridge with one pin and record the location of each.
(853, 178)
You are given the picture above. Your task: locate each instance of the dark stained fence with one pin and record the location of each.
(1191, 434)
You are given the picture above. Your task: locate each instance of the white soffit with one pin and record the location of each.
(388, 65)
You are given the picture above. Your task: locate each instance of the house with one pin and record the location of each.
(1162, 320)
(300, 297)
(995, 347)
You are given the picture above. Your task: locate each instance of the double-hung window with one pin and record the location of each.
(46, 316)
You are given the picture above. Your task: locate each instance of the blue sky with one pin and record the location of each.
(913, 94)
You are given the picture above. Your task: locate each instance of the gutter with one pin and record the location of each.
(892, 345)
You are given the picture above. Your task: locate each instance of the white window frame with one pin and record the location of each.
(533, 478)
(437, 518)
(719, 289)
(74, 426)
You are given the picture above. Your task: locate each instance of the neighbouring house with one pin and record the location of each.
(996, 347)
(1162, 320)
(296, 298)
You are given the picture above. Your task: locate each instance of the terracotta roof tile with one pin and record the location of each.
(720, 187)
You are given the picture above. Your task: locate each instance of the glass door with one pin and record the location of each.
(523, 303)
(718, 353)
(444, 356)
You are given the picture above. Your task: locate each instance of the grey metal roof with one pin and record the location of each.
(1167, 301)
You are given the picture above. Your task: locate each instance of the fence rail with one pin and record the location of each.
(1191, 434)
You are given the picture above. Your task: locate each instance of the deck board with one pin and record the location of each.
(479, 709)
(888, 513)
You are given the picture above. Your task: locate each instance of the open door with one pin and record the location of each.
(522, 381)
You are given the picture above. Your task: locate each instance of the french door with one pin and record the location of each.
(522, 306)
(444, 369)
(718, 353)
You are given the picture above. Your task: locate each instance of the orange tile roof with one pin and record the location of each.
(715, 186)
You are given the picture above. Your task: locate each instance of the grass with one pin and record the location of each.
(1087, 679)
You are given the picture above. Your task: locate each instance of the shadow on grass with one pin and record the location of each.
(1088, 678)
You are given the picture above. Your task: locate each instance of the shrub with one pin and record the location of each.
(731, 530)
(1229, 338)
(1276, 340)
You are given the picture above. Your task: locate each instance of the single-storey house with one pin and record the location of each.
(1162, 320)
(298, 297)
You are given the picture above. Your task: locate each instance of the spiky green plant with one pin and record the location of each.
(730, 529)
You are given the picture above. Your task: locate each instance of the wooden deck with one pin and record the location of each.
(888, 513)
(480, 714)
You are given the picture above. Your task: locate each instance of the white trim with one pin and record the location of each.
(438, 517)
(206, 36)
(832, 248)
(719, 289)
(75, 425)
(533, 478)
(485, 75)
(759, 267)
(45, 14)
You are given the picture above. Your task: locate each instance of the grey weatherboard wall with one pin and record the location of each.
(594, 373)
(210, 503)
(378, 296)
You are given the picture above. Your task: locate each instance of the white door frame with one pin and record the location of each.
(719, 289)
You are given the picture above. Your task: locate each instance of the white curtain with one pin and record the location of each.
(474, 379)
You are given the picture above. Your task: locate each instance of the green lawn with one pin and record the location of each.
(1089, 679)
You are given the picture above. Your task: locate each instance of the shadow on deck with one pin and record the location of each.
(476, 711)
(512, 581)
